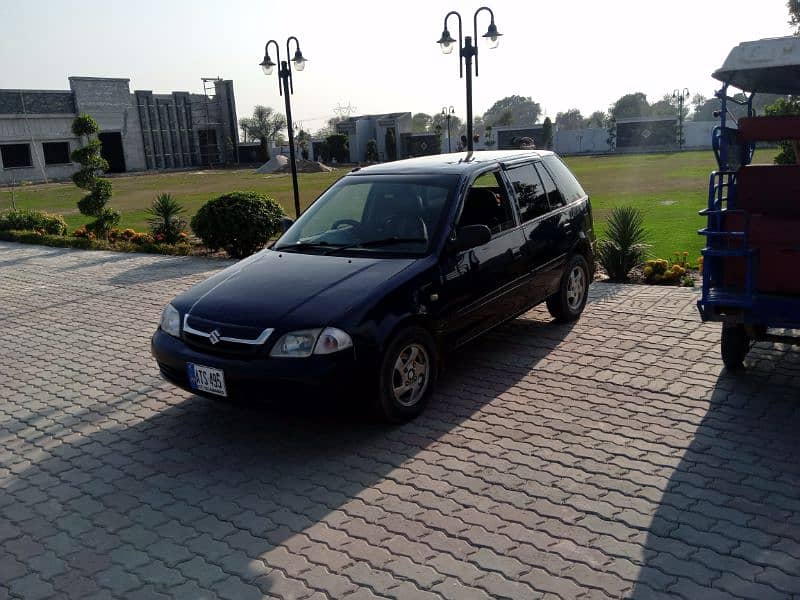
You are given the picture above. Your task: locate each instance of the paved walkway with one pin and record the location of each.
(612, 458)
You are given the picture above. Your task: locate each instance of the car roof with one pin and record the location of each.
(454, 163)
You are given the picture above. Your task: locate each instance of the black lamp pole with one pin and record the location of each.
(448, 112)
(468, 51)
(286, 89)
(680, 96)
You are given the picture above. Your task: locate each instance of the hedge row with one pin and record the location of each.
(58, 241)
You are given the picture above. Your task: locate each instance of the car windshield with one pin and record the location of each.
(380, 213)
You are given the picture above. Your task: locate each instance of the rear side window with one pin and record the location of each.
(531, 196)
(566, 181)
(554, 196)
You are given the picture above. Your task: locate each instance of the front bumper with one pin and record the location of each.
(261, 377)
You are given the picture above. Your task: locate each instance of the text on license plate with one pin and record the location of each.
(206, 379)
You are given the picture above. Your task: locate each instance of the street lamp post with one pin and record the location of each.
(286, 89)
(680, 96)
(448, 112)
(468, 51)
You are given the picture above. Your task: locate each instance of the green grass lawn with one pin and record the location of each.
(668, 188)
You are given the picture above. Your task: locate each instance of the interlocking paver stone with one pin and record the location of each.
(612, 457)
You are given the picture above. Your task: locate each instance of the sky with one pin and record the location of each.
(378, 56)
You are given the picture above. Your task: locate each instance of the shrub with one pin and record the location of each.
(165, 220)
(625, 244)
(372, 151)
(30, 220)
(239, 222)
(660, 271)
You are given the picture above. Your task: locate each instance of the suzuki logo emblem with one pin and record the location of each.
(213, 337)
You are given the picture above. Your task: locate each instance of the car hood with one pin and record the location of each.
(285, 290)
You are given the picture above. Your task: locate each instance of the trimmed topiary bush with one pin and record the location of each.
(239, 222)
(33, 220)
(88, 178)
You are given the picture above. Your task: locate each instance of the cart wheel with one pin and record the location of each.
(735, 344)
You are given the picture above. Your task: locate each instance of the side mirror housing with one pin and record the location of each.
(286, 222)
(471, 236)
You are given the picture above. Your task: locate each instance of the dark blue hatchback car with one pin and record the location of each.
(391, 266)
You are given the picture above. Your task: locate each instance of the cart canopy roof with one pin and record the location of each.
(770, 66)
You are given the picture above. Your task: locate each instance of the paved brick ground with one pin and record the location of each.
(612, 458)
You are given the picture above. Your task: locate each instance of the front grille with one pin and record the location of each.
(196, 330)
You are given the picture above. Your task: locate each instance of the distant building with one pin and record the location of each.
(360, 130)
(140, 130)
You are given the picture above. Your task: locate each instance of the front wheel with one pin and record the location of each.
(568, 302)
(734, 347)
(407, 375)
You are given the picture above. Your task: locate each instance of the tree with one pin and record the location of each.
(547, 133)
(390, 144)
(571, 119)
(596, 119)
(789, 149)
(794, 15)
(456, 124)
(264, 125)
(524, 111)
(667, 107)
(611, 128)
(421, 122)
(506, 118)
(88, 177)
(338, 147)
(303, 139)
(630, 106)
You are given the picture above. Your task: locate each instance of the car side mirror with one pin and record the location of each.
(286, 222)
(471, 236)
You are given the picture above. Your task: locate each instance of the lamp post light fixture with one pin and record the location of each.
(680, 96)
(286, 89)
(468, 51)
(447, 113)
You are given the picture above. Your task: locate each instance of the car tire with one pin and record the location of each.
(734, 346)
(408, 373)
(568, 302)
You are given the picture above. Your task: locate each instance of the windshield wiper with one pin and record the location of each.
(377, 243)
(302, 246)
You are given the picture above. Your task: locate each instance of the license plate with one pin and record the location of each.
(206, 379)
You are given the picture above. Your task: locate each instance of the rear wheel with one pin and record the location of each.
(568, 302)
(407, 375)
(734, 346)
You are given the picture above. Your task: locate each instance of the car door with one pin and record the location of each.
(556, 227)
(482, 286)
(538, 227)
(573, 219)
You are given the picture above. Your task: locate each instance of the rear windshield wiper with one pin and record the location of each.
(377, 243)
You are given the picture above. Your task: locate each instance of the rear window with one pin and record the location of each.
(566, 181)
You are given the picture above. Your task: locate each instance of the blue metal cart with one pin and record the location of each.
(751, 270)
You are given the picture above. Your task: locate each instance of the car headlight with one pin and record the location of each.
(332, 340)
(304, 343)
(171, 321)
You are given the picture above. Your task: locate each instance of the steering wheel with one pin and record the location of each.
(338, 224)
